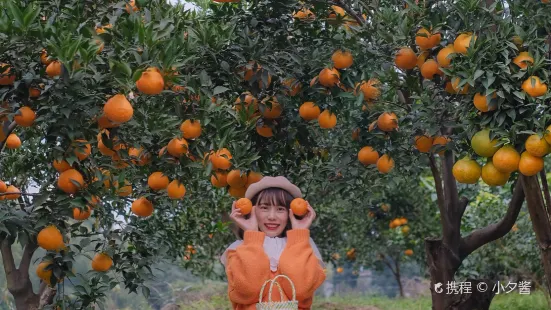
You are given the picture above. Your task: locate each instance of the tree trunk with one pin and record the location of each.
(443, 264)
(399, 279)
(540, 222)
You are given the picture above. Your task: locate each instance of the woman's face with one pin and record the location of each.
(272, 219)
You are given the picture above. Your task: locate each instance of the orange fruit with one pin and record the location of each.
(3, 187)
(408, 252)
(221, 159)
(304, 15)
(5, 77)
(151, 82)
(13, 142)
(340, 270)
(271, 112)
(405, 230)
(368, 156)
(293, 87)
(82, 151)
(142, 207)
(370, 89)
(455, 86)
(25, 117)
(523, 60)
(342, 59)
(54, 69)
(309, 111)
(492, 176)
(482, 145)
(385, 207)
(423, 143)
(118, 109)
(536, 146)
(440, 140)
(387, 121)
(264, 131)
(534, 87)
(445, 55)
(66, 178)
(253, 177)
(141, 157)
(157, 181)
(44, 59)
(462, 42)
(101, 262)
(131, 6)
(81, 215)
(385, 164)
(236, 179)
(529, 164)
(481, 103)
(219, 179)
(42, 273)
(104, 122)
(34, 92)
(176, 190)
(421, 58)
(50, 238)
(102, 147)
(547, 135)
(244, 205)
(506, 159)
(327, 120)
(14, 193)
(425, 40)
(299, 206)
(251, 68)
(237, 192)
(125, 190)
(177, 147)
(429, 69)
(329, 77)
(405, 59)
(191, 129)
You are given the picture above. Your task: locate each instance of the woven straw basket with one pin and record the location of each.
(277, 305)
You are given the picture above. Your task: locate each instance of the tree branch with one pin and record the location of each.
(451, 235)
(463, 203)
(546, 194)
(349, 11)
(437, 183)
(9, 263)
(494, 231)
(22, 194)
(388, 264)
(47, 295)
(28, 252)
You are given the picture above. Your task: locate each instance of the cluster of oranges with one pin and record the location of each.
(9, 192)
(369, 156)
(400, 221)
(501, 161)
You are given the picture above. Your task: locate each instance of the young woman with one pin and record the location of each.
(274, 242)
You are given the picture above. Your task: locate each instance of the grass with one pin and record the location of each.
(534, 301)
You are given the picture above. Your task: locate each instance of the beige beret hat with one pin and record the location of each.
(277, 182)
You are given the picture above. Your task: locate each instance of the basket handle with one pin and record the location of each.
(279, 287)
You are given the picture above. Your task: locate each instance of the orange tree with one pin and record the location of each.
(462, 91)
(126, 130)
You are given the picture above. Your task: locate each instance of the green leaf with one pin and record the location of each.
(16, 13)
(219, 90)
(31, 13)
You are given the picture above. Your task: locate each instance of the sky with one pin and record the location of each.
(187, 5)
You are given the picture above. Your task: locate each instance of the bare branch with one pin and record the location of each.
(22, 194)
(494, 231)
(437, 183)
(452, 234)
(463, 202)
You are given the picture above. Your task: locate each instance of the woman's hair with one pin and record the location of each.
(272, 196)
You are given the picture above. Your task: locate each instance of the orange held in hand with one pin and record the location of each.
(244, 205)
(299, 206)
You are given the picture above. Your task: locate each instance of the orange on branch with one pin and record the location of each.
(253, 177)
(405, 59)
(177, 147)
(506, 159)
(327, 120)
(176, 190)
(81, 214)
(481, 103)
(118, 109)
(264, 131)
(142, 207)
(219, 179)
(309, 111)
(24, 117)
(385, 164)
(534, 87)
(236, 179)
(482, 145)
(529, 164)
(82, 149)
(221, 159)
(68, 178)
(342, 59)
(5, 77)
(492, 176)
(423, 143)
(237, 192)
(329, 77)
(12, 193)
(151, 82)
(387, 121)
(523, 60)
(368, 156)
(271, 112)
(50, 238)
(536, 146)
(13, 142)
(101, 262)
(157, 181)
(54, 69)
(445, 55)
(463, 42)
(191, 129)
(429, 69)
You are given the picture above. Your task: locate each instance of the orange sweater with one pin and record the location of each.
(248, 267)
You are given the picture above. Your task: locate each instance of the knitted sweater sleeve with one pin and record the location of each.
(301, 265)
(248, 267)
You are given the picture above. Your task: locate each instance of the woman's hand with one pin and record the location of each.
(243, 223)
(306, 221)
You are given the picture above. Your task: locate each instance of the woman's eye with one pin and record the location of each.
(281, 209)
